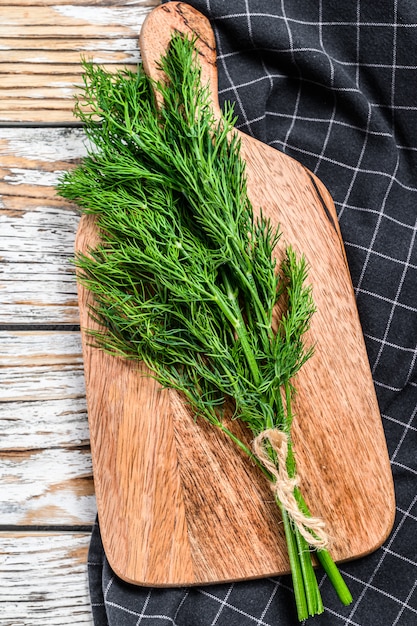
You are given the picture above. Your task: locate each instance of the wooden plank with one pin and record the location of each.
(15, 47)
(42, 45)
(75, 3)
(47, 488)
(44, 579)
(45, 466)
(47, 348)
(123, 52)
(50, 368)
(37, 228)
(41, 382)
(81, 18)
(39, 150)
(34, 424)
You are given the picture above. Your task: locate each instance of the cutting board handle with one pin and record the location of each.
(156, 34)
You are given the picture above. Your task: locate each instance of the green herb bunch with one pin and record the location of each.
(185, 276)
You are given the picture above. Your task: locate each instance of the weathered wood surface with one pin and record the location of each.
(43, 579)
(46, 471)
(42, 43)
(37, 227)
(45, 461)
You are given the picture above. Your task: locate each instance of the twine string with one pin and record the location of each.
(282, 485)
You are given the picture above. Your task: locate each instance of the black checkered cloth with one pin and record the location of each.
(334, 85)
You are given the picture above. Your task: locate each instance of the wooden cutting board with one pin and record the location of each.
(178, 503)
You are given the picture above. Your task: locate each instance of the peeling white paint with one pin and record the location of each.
(43, 144)
(44, 484)
(44, 579)
(128, 44)
(106, 16)
(47, 423)
(39, 59)
(22, 176)
(38, 383)
(47, 346)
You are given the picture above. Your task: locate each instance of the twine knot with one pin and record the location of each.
(282, 485)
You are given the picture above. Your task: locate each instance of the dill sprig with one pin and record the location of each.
(185, 276)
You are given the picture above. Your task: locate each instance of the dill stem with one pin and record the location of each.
(307, 593)
(253, 292)
(313, 597)
(288, 423)
(334, 576)
(234, 314)
(327, 563)
(296, 571)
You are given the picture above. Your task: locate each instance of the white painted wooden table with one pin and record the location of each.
(47, 504)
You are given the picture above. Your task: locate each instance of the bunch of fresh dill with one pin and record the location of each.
(185, 276)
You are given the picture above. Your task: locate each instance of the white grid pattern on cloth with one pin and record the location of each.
(332, 87)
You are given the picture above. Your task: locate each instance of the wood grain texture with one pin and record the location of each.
(37, 228)
(45, 460)
(40, 423)
(177, 503)
(42, 44)
(44, 579)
